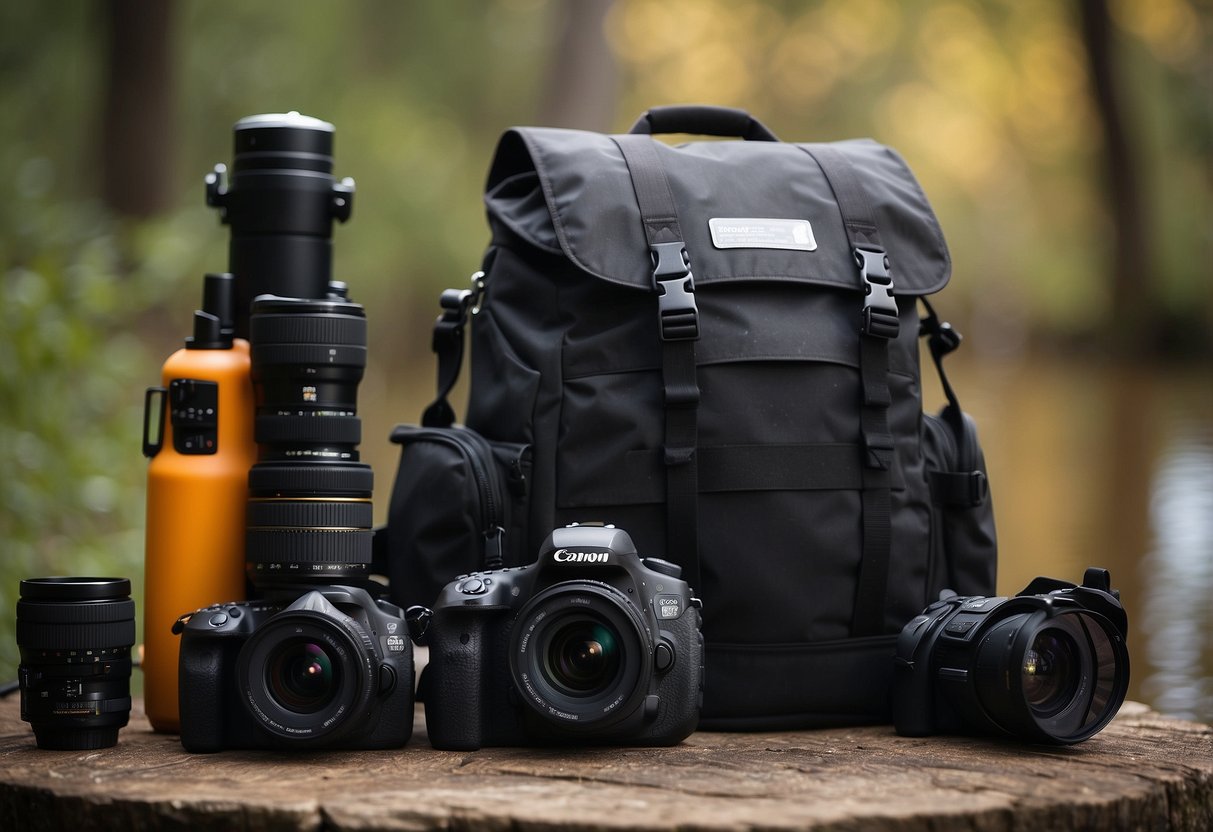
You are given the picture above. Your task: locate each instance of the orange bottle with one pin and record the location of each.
(197, 488)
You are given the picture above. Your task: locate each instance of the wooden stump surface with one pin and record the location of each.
(1142, 772)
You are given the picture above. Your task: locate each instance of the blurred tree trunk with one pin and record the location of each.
(1134, 309)
(137, 116)
(580, 86)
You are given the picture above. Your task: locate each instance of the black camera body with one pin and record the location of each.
(333, 669)
(591, 644)
(1048, 665)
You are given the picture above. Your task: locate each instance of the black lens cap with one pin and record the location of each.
(75, 589)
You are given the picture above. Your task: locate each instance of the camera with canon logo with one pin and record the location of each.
(591, 644)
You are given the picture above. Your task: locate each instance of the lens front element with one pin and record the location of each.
(301, 676)
(1050, 672)
(583, 657)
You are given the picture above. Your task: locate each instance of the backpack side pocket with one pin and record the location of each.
(962, 510)
(456, 507)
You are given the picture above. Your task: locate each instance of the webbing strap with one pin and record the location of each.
(678, 320)
(880, 322)
(457, 306)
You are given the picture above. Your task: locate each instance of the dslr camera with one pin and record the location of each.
(1048, 665)
(333, 669)
(591, 644)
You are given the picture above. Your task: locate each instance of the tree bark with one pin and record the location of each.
(582, 76)
(1134, 309)
(1142, 772)
(137, 116)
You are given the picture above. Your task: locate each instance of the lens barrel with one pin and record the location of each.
(1055, 678)
(308, 677)
(280, 202)
(309, 513)
(580, 651)
(75, 636)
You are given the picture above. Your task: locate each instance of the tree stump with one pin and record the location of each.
(1142, 772)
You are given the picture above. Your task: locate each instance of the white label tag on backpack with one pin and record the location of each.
(754, 232)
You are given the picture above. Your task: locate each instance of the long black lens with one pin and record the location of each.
(75, 637)
(280, 202)
(309, 513)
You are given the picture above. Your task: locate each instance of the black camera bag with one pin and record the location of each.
(715, 347)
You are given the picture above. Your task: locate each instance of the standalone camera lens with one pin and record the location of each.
(309, 513)
(582, 654)
(75, 636)
(301, 676)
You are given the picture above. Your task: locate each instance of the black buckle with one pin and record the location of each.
(880, 450)
(672, 278)
(456, 305)
(880, 315)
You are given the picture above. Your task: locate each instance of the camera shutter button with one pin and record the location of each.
(218, 619)
(472, 586)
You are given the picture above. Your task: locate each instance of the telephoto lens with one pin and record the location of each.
(75, 636)
(280, 203)
(309, 514)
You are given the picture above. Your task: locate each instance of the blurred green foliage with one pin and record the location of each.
(987, 101)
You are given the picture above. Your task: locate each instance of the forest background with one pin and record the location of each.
(1067, 147)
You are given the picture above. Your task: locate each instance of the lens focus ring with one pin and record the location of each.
(340, 430)
(334, 330)
(324, 514)
(98, 636)
(308, 546)
(68, 613)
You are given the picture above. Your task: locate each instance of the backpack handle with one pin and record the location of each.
(703, 120)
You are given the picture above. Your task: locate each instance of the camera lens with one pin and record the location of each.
(75, 636)
(280, 203)
(309, 512)
(301, 676)
(1056, 676)
(305, 674)
(584, 656)
(1050, 672)
(581, 655)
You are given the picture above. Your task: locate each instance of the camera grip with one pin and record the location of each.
(454, 715)
(912, 696)
(681, 690)
(200, 695)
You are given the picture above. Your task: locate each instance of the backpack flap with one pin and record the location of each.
(569, 192)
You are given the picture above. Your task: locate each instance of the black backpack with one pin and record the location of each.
(715, 347)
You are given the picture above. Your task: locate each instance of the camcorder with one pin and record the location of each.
(590, 644)
(1048, 665)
